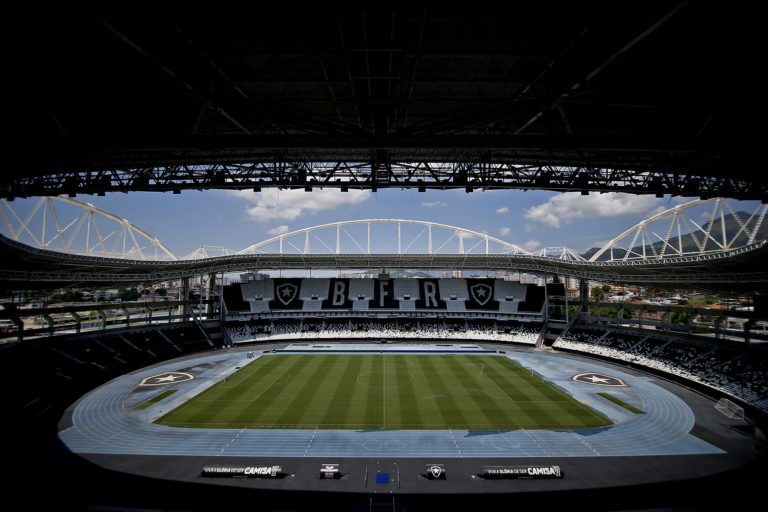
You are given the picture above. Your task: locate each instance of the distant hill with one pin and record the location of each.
(590, 252)
(731, 228)
(420, 274)
(410, 274)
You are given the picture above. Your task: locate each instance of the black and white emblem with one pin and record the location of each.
(166, 378)
(598, 379)
(286, 292)
(329, 471)
(435, 472)
(481, 293)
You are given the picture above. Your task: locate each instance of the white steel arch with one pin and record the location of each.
(364, 236)
(559, 253)
(208, 251)
(698, 228)
(74, 227)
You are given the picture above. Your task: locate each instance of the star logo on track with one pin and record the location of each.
(599, 379)
(435, 472)
(166, 378)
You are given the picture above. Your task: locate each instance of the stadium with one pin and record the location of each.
(401, 361)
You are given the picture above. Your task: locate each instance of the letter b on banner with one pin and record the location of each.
(339, 293)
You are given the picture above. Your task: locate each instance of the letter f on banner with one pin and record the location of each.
(383, 291)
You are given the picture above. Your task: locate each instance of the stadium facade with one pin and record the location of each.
(385, 393)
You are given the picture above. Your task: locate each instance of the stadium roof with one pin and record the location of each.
(28, 267)
(647, 97)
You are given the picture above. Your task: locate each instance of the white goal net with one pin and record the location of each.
(730, 409)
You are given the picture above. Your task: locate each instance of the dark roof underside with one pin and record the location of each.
(625, 85)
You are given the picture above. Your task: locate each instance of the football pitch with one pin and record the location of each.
(372, 392)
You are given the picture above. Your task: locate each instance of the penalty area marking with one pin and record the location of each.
(481, 373)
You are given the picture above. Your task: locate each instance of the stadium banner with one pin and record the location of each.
(287, 294)
(338, 295)
(534, 299)
(481, 295)
(521, 472)
(556, 289)
(330, 471)
(435, 472)
(383, 295)
(242, 472)
(429, 295)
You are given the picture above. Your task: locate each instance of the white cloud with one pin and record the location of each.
(273, 204)
(563, 208)
(505, 231)
(278, 230)
(598, 243)
(432, 204)
(531, 245)
(501, 210)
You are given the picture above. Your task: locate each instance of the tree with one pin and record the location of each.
(67, 296)
(128, 294)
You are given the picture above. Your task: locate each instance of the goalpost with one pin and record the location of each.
(730, 409)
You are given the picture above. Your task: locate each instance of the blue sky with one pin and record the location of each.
(235, 220)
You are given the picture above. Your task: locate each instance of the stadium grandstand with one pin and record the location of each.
(435, 309)
(382, 362)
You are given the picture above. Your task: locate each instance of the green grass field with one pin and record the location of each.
(152, 401)
(621, 403)
(384, 392)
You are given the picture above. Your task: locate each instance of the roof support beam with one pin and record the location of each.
(392, 174)
(171, 74)
(605, 64)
